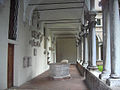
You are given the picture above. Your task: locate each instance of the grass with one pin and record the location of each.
(100, 68)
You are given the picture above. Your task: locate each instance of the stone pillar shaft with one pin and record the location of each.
(106, 42)
(78, 51)
(85, 55)
(81, 50)
(99, 53)
(89, 46)
(93, 47)
(92, 62)
(115, 38)
(114, 79)
(92, 5)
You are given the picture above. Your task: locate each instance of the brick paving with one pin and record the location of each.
(43, 82)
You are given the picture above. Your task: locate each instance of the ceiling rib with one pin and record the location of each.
(64, 34)
(63, 30)
(60, 20)
(54, 3)
(58, 8)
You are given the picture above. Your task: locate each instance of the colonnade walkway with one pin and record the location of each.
(43, 82)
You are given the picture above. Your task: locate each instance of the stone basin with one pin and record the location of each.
(59, 70)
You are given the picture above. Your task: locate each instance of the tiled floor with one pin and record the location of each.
(43, 82)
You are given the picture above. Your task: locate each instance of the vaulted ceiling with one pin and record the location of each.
(61, 17)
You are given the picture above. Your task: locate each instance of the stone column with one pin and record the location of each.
(82, 48)
(99, 52)
(114, 79)
(89, 48)
(78, 49)
(92, 5)
(106, 42)
(92, 62)
(85, 55)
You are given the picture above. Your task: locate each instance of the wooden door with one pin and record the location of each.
(10, 64)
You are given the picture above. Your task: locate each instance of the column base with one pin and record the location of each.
(115, 76)
(92, 67)
(99, 60)
(113, 82)
(85, 65)
(104, 76)
(81, 61)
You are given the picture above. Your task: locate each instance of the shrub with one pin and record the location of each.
(100, 68)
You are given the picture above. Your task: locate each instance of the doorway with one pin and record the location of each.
(10, 65)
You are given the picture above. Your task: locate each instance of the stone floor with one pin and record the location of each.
(43, 82)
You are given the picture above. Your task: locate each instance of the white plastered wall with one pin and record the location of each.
(22, 49)
(66, 49)
(4, 23)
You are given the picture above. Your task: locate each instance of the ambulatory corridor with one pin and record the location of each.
(44, 82)
(42, 40)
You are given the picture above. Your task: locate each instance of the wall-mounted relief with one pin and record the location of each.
(48, 53)
(34, 43)
(27, 61)
(41, 38)
(35, 20)
(35, 52)
(48, 57)
(37, 38)
(35, 34)
(51, 49)
(45, 51)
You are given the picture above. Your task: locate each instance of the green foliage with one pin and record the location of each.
(100, 68)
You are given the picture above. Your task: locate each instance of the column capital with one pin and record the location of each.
(84, 30)
(92, 21)
(92, 15)
(91, 24)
